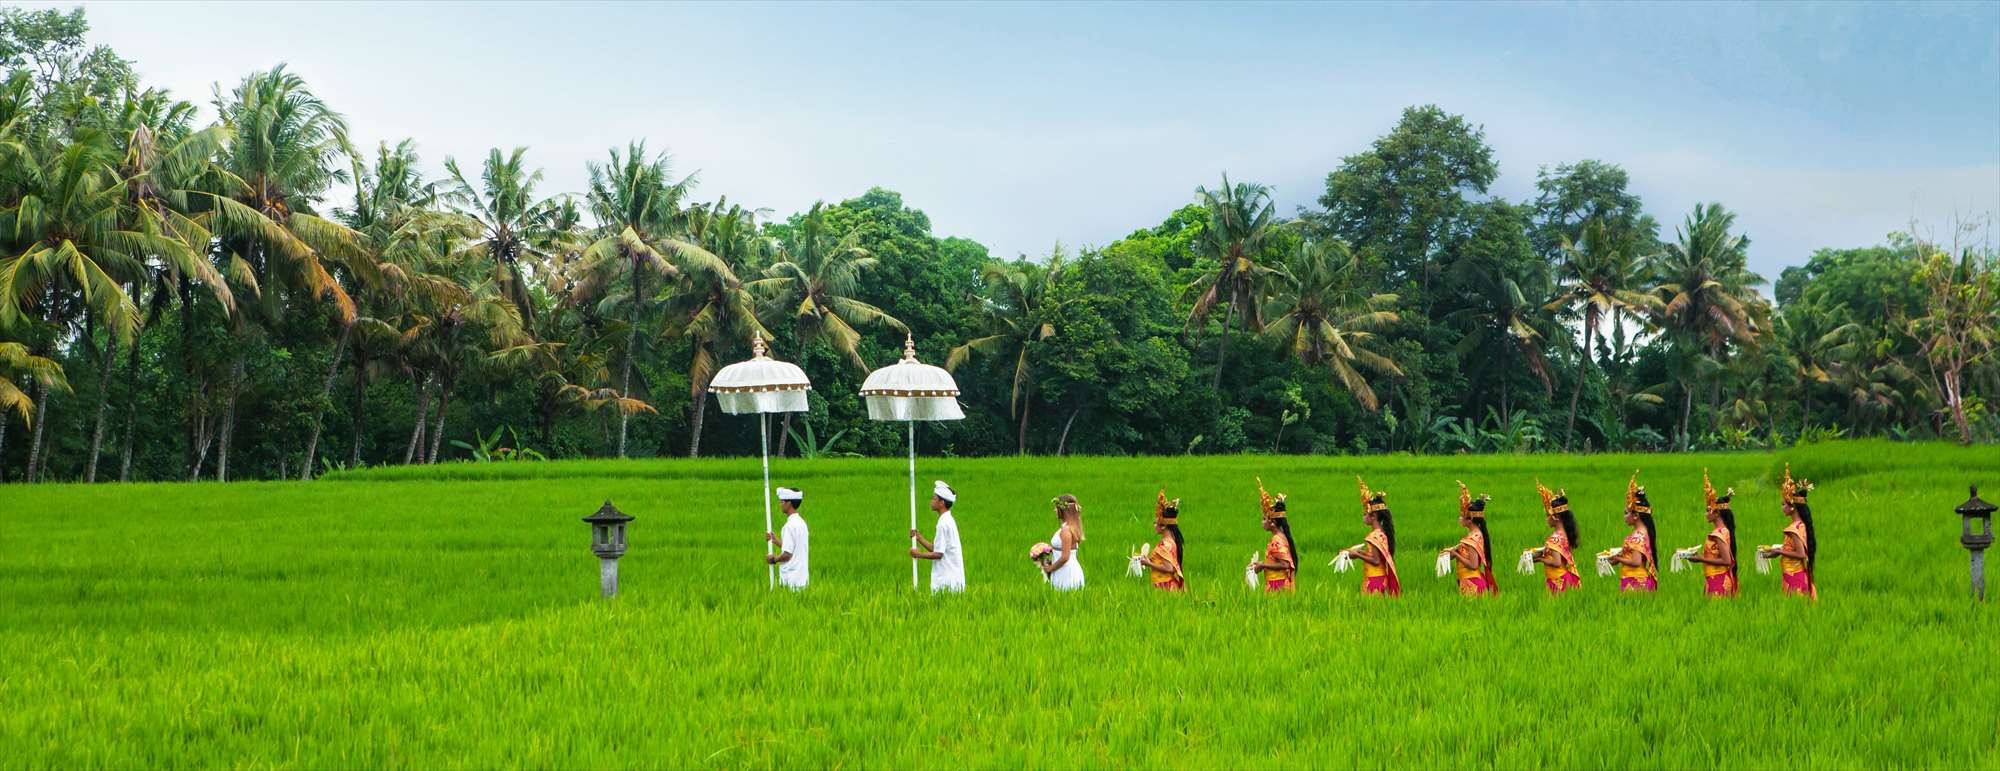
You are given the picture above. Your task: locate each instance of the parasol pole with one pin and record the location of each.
(913, 499)
(764, 444)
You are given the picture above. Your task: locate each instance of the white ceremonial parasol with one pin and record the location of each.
(909, 391)
(762, 385)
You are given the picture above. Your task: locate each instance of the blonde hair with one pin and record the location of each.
(1071, 512)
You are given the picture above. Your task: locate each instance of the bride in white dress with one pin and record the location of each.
(1065, 572)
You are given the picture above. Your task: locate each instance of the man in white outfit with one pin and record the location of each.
(948, 574)
(794, 542)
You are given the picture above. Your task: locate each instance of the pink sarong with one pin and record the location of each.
(1630, 584)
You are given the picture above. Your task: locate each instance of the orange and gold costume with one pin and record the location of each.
(1718, 580)
(1378, 579)
(1472, 548)
(1279, 551)
(1796, 574)
(1645, 576)
(1168, 553)
(1562, 576)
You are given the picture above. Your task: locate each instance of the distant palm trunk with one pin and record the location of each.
(631, 352)
(1021, 437)
(35, 459)
(1687, 414)
(131, 412)
(228, 431)
(700, 416)
(325, 397)
(1222, 346)
(3, 448)
(360, 421)
(785, 423)
(444, 402)
(1582, 367)
(423, 412)
(1062, 443)
(103, 400)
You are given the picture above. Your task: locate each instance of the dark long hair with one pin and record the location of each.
(1728, 518)
(1812, 538)
(1180, 545)
(1652, 541)
(1485, 541)
(1388, 525)
(1286, 528)
(1568, 520)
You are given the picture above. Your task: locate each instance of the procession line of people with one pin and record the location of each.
(1635, 561)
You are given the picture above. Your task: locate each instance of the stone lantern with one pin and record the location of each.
(1977, 535)
(607, 541)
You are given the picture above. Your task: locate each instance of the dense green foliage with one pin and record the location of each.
(257, 298)
(447, 616)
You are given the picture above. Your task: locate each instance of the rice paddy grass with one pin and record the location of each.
(448, 617)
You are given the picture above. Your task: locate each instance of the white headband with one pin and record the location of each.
(942, 490)
(789, 494)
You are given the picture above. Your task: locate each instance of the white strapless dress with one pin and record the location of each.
(1070, 575)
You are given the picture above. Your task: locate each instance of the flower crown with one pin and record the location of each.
(1474, 508)
(1274, 507)
(1794, 492)
(1372, 501)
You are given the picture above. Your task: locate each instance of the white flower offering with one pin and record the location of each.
(1604, 565)
(1680, 560)
(1527, 563)
(1444, 563)
(1344, 561)
(1764, 560)
(1250, 572)
(1138, 566)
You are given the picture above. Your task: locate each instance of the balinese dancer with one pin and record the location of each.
(1163, 563)
(1377, 552)
(1556, 556)
(1717, 553)
(1472, 558)
(1280, 563)
(1638, 569)
(1800, 548)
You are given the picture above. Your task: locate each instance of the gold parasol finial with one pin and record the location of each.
(757, 348)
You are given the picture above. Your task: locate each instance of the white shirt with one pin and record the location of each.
(796, 539)
(948, 571)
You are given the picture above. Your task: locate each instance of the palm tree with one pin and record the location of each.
(638, 211)
(1599, 280)
(73, 247)
(1321, 314)
(1503, 314)
(1707, 296)
(511, 220)
(815, 280)
(711, 305)
(1016, 320)
(164, 162)
(1242, 221)
(280, 160)
(16, 361)
(1816, 339)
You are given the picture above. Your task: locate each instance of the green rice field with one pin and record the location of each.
(448, 617)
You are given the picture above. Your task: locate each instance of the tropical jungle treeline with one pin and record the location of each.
(249, 295)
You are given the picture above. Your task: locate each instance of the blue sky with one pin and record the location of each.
(1020, 125)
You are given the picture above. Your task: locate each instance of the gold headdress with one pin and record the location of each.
(1474, 508)
(1635, 496)
(1274, 507)
(1372, 501)
(1553, 501)
(1794, 492)
(1715, 502)
(1167, 512)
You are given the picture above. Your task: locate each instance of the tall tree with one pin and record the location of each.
(638, 208)
(1600, 278)
(1961, 329)
(1404, 199)
(1572, 194)
(813, 283)
(711, 305)
(1322, 314)
(511, 220)
(1242, 224)
(281, 158)
(1017, 318)
(1707, 299)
